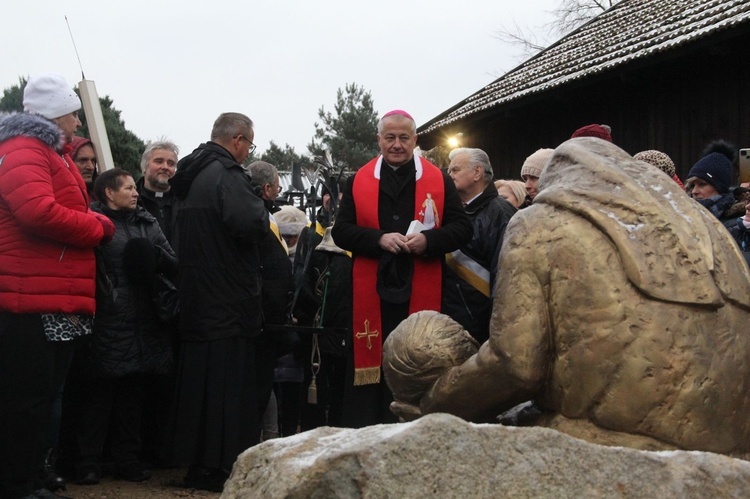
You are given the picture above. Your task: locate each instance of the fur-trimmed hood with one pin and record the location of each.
(32, 125)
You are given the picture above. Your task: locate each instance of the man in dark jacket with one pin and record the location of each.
(218, 221)
(158, 164)
(396, 271)
(278, 283)
(470, 273)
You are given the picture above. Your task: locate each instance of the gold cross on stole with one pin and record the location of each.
(367, 334)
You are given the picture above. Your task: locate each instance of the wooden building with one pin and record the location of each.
(670, 75)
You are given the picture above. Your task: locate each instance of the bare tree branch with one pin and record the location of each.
(527, 40)
(569, 15)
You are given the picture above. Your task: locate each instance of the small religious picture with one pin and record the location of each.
(429, 213)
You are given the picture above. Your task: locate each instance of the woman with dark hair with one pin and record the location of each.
(128, 338)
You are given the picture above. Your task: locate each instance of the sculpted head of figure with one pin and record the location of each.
(420, 350)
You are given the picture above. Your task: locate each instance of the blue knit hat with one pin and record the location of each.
(714, 168)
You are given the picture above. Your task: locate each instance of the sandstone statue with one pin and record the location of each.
(622, 308)
(423, 347)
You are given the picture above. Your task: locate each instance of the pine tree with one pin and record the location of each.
(350, 133)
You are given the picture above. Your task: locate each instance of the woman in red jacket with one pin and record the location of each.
(47, 271)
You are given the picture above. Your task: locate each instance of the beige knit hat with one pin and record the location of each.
(534, 163)
(291, 220)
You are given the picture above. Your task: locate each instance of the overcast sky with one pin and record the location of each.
(172, 67)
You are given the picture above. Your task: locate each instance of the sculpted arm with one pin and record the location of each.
(512, 365)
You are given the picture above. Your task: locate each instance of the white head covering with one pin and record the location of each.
(49, 95)
(291, 220)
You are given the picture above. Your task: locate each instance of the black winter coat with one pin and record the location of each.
(128, 336)
(278, 283)
(159, 207)
(218, 221)
(338, 306)
(489, 214)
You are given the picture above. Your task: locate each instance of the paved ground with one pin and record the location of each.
(164, 484)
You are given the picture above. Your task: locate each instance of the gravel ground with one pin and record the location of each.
(164, 484)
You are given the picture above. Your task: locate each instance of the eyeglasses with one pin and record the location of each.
(252, 146)
(275, 186)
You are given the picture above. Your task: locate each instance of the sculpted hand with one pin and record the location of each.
(393, 242)
(417, 243)
(405, 412)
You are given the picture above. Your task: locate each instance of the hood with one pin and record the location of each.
(77, 143)
(671, 248)
(34, 126)
(191, 165)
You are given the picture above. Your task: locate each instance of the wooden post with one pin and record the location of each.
(95, 121)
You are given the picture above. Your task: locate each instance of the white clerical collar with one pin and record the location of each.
(417, 166)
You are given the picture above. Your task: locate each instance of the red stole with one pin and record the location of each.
(427, 279)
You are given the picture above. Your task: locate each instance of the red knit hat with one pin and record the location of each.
(599, 131)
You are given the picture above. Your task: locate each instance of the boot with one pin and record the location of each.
(52, 481)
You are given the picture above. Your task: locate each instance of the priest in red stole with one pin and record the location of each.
(399, 216)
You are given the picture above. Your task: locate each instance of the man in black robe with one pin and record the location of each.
(218, 222)
(379, 205)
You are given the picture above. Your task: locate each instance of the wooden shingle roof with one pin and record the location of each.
(628, 31)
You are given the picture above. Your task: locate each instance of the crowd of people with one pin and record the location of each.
(179, 318)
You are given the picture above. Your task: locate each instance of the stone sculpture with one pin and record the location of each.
(420, 350)
(622, 308)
